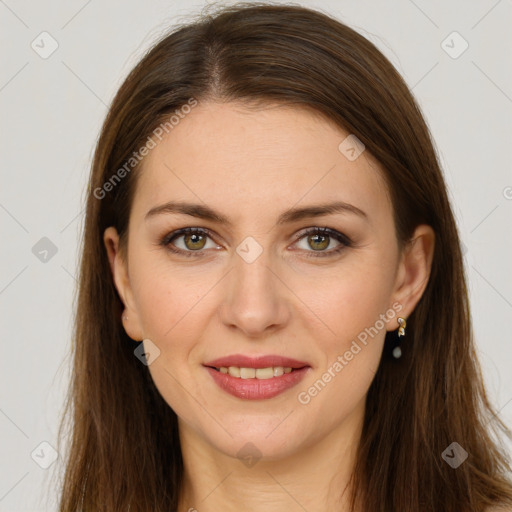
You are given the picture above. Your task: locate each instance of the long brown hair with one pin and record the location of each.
(124, 451)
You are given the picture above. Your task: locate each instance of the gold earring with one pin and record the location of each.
(403, 324)
(397, 351)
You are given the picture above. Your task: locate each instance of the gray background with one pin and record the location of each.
(52, 110)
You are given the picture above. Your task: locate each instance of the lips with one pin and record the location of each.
(256, 378)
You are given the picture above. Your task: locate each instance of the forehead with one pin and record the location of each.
(246, 162)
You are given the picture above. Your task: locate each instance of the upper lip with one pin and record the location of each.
(266, 361)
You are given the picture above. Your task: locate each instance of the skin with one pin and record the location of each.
(251, 165)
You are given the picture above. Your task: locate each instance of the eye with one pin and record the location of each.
(194, 240)
(319, 240)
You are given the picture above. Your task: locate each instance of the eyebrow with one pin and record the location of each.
(292, 215)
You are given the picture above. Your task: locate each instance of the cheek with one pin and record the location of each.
(168, 299)
(350, 358)
(175, 304)
(351, 308)
(170, 304)
(345, 301)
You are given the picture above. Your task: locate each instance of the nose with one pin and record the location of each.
(256, 299)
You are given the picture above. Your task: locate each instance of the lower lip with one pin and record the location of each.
(257, 389)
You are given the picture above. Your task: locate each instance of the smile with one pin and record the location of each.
(255, 373)
(256, 377)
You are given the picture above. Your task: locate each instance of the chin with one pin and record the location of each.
(265, 440)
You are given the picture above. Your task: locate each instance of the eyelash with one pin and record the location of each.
(340, 237)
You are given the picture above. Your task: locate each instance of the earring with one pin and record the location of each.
(397, 351)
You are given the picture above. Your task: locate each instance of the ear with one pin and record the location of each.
(413, 270)
(119, 268)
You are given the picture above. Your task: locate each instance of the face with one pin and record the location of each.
(260, 278)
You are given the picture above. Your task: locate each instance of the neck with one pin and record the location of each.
(314, 478)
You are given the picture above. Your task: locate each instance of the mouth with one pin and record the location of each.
(256, 378)
(269, 372)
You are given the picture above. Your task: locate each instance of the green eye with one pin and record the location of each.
(195, 240)
(319, 239)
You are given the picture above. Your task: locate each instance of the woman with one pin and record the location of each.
(272, 309)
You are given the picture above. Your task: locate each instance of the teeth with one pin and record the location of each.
(247, 373)
(278, 371)
(264, 373)
(252, 373)
(234, 371)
